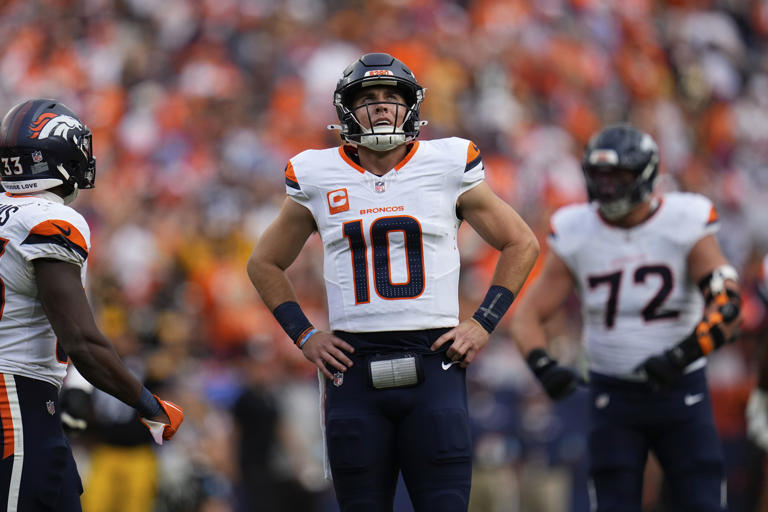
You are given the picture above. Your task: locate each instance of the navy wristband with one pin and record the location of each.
(148, 406)
(496, 303)
(292, 319)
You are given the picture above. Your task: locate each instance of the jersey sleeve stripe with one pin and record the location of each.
(473, 156)
(290, 177)
(59, 232)
(712, 216)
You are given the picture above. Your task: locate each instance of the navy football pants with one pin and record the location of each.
(37, 470)
(628, 419)
(422, 431)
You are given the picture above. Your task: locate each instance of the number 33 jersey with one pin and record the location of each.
(31, 228)
(637, 297)
(391, 260)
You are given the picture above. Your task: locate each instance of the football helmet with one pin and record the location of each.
(378, 69)
(621, 165)
(43, 144)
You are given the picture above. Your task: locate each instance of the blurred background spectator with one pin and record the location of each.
(196, 106)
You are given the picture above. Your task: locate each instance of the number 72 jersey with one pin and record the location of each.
(637, 297)
(391, 260)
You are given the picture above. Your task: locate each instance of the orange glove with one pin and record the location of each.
(164, 431)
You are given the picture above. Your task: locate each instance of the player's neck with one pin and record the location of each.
(638, 215)
(381, 162)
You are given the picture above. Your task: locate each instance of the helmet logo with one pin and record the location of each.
(603, 156)
(379, 72)
(53, 125)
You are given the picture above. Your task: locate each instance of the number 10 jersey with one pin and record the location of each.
(391, 260)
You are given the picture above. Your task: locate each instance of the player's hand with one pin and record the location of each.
(326, 350)
(662, 370)
(557, 380)
(469, 338)
(164, 425)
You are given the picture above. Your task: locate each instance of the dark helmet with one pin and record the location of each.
(43, 145)
(616, 148)
(378, 69)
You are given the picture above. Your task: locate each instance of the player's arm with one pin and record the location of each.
(502, 228)
(275, 251)
(542, 299)
(718, 281)
(60, 291)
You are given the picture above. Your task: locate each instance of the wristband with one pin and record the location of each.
(496, 303)
(148, 406)
(293, 321)
(306, 337)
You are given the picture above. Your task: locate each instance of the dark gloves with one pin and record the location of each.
(663, 370)
(558, 381)
(75, 410)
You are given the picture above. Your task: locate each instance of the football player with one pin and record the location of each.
(387, 208)
(46, 157)
(757, 408)
(657, 295)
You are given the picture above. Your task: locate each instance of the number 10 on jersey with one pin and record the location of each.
(382, 275)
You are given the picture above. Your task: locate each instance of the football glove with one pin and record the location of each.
(75, 410)
(558, 381)
(663, 370)
(164, 431)
(757, 418)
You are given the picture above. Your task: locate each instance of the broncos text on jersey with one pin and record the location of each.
(388, 238)
(637, 297)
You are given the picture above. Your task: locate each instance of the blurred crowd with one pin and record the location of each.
(196, 107)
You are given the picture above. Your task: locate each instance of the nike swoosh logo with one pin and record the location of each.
(448, 365)
(693, 399)
(63, 231)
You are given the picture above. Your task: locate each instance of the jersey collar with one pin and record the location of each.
(413, 147)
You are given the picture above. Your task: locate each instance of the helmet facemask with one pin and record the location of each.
(381, 137)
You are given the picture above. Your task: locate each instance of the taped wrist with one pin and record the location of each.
(148, 406)
(496, 303)
(705, 338)
(293, 321)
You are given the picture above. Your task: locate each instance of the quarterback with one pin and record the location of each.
(46, 157)
(647, 269)
(387, 208)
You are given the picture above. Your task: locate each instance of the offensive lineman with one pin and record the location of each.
(644, 267)
(387, 209)
(46, 157)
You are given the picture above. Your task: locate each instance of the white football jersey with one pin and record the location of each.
(34, 227)
(391, 260)
(637, 296)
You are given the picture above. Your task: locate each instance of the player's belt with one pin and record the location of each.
(395, 371)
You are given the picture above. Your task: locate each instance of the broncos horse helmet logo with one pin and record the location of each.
(53, 125)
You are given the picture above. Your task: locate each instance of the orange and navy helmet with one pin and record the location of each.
(43, 144)
(378, 69)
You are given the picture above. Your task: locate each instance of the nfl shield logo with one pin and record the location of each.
(379, 186)
(338, 379)
(51, 407)
(37, 156)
